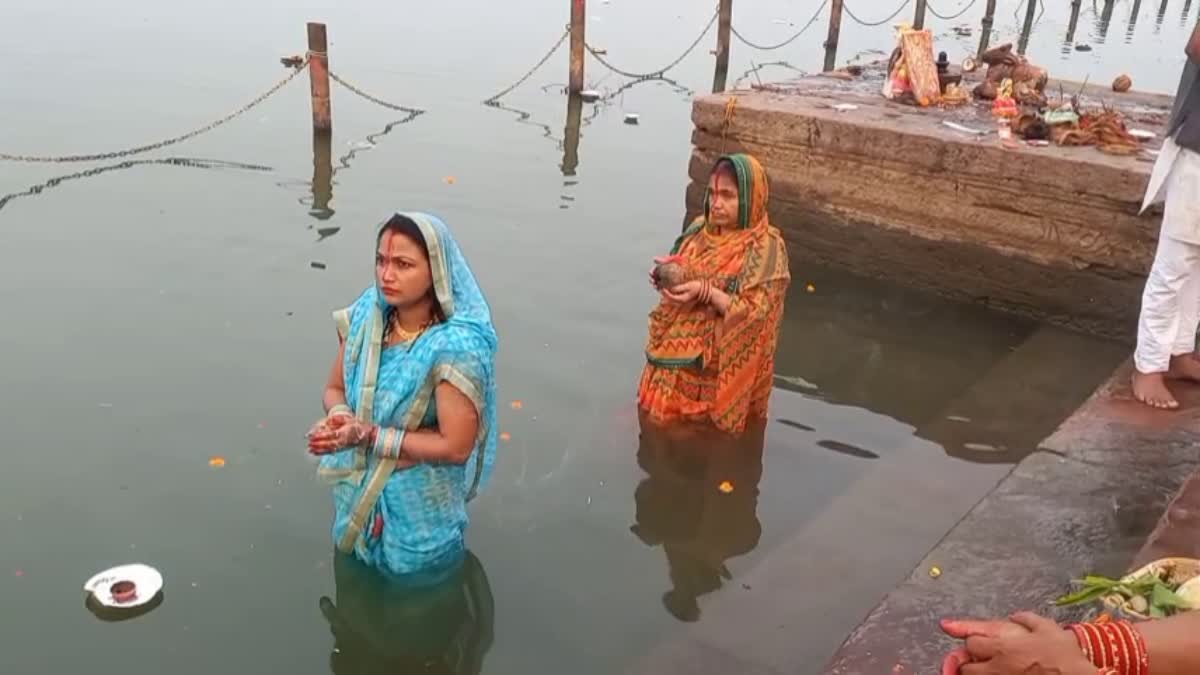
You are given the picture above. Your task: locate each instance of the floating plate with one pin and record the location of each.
(148, 580)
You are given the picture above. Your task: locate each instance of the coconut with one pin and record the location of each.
(1122, 84)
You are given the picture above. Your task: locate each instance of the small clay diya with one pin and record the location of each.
(124, 592)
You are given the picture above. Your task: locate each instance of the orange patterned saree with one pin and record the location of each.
(701, 366)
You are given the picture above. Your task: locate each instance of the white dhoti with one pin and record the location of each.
(1171, 301)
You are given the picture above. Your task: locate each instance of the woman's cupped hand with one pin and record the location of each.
(336, 432)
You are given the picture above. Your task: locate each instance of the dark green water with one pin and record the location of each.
(158, 315)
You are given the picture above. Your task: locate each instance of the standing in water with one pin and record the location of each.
(1166, 346)
(410, 431)
(701, 508)
(711, 350)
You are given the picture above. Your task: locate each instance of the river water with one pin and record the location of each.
(162, 314)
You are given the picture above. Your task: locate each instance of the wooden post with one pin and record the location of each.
(835, 29)
(318, 76)
(1031, 7)
(919, 19)
(322, 182)
(725, 24)
(985, 36)
(571, 134)
(578, 40)
(1073, 24)
(1162, 13)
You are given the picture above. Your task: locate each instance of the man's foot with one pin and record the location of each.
(1185, 367)
(1151, 389)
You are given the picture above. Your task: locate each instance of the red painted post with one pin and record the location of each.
(318, 77)
(578, 21)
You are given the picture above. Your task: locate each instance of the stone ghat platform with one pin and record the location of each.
(1083, 504)
(889, 191)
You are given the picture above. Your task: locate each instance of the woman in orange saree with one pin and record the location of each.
(710, 356)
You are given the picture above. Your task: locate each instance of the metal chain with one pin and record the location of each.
(492, 100)
(737, 84)
(872, 24)
(952, 17)
(678, 88)
(816, 15)
(129, 163)
(377, 101)
(660, 71)
(161, 144)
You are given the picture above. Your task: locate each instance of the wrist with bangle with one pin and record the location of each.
(1115, 647)
(385, 442)
(339, 410)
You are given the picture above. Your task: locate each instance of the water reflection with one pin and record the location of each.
(324, 172)
(979, 385)
(385, 628)
(571, 134)
(1105, 21)
(117, 614)
(847, 449)
(699, 502)
(1133, 19)
(575, 119)
(188, 162)
(322, 182)
(1032, 15)
(1072, 26)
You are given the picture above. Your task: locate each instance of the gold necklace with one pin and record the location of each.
(406, 336)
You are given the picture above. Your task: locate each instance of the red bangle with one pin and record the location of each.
(1116, 648)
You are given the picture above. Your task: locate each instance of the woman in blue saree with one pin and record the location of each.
(410, 432)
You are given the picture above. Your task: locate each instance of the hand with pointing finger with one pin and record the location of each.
(1029, 645)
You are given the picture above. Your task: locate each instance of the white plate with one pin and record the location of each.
(147, 579)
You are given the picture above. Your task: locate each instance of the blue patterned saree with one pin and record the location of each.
(422, 508)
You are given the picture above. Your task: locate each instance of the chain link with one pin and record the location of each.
(129, 163)
(494, 99)
(737, 84)
(952, 17)
(413, 112)
(873, 24)
(161, 144)
(661, 71)
(816, 15)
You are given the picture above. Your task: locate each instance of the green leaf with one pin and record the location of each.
(1166, 598)
(1086, 594)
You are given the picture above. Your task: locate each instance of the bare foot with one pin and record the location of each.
(1185, 367)
(1151, 389)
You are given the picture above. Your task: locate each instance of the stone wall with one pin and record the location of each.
(890, 192)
